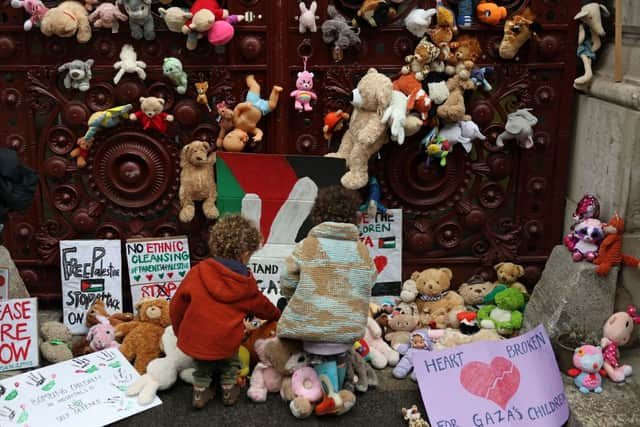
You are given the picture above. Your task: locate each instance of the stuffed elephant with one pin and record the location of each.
(520, 127)
(463, 132)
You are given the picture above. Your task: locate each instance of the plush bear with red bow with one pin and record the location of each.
(151, 115)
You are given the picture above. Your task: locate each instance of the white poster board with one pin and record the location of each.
(90, 269)
(267, 269)
(382, 235)
(4, 283)
(18, 334)
(157, 266)
(86, 391)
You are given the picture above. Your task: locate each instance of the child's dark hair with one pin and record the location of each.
(336, 204)
(234, 236)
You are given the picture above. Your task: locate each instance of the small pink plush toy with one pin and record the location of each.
(102, 335)
(304, 94)
(107, 15)
(584, 241)
(617, 332)
(35, 8)
(222, 30)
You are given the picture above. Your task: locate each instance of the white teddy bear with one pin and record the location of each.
(163, 371)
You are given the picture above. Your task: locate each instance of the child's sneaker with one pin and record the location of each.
(230, 394)
(201, 396)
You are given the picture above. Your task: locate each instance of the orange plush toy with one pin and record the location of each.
(610, 252)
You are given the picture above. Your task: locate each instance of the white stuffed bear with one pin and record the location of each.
(163, 371)
(381, 353)
(409, 291)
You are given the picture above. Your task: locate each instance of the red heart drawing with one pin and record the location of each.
(380, 262)
(497, 382)
(149, 276)
(170, 274)
(2, 280)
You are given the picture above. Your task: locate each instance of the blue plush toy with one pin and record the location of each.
(373, 204)
(479, 77)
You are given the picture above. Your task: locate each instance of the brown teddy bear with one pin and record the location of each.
(474, 291)
(151, 115)
(423, 55)
(69, 18)
(264, 331)
(367, 133)
(55, 345)
(196, 180)
(141, 337)
(453, 109)
(435, 301)
(467, 52)
(404, 320)
(508, 274)
(81, 152)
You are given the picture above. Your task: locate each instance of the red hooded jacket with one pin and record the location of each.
(208, 310)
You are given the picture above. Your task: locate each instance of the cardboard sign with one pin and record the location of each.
(90, 269)
(277, 193)
(383, 236)
(514, 383)
(157, 266)
(4, 283)
(18, 334)
(87, 391)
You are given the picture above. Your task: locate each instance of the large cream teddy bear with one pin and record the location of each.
(437, 304)
(69, 18)
(367, 133)
(163, 371)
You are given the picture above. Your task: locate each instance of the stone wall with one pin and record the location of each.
(605, 156)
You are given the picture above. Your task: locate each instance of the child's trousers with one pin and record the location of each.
(227, 369)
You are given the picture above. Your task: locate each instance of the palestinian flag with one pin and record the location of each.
(387, 242)
(272, 177)
(92, 285)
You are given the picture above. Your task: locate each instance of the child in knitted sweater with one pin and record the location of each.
(328, 281)
(209, 308)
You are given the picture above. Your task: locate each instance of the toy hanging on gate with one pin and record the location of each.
(333, 121)
(107, 15)
(589, 42)
(35, 8)
(307, 18)
(336, 31)
(201, 89)
(304, 94)
(129, 64)
(151, 114)
(490, 13)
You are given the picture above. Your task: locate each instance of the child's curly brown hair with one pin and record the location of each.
(233, 236)
(336, 204)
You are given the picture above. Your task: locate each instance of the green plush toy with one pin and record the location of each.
(172, 68)
(506, 318)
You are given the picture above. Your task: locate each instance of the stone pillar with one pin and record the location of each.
(17, 289)
(606, 146)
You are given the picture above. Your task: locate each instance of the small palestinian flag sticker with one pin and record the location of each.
(92, 285)
(387, 242)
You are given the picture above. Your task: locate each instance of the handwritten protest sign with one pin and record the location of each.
(18, 334)
(382, 234)
(91, 269)
(87, 391)
(4, 283)
(514, 383)
(157, 266)
(267, 270)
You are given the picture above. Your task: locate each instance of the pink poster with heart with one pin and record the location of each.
(514, 382)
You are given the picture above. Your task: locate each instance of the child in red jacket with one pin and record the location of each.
(209, 308)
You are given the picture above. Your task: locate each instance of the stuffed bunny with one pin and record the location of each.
(102, 335)
(519, 127)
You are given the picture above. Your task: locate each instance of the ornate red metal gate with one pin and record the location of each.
(493, 205)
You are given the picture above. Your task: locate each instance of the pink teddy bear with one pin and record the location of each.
(35, 8)
(304, 94)
(102, 335)
(617, 332)
(107, 15)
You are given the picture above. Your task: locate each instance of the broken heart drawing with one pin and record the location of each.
(497, 381)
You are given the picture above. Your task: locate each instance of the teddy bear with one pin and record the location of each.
(246, 115)
(107, 15)
(163, 371)
(81, 152)
(151, 115)
(508, 274)
(467, 52)
(172, 68)
(141, 21)
(404, 320)
(204, 14)
(423, 55)
(453, 109)
(67, 19)
(419, 341)
(78, 74)
(367, 133)
(381, 354)
(141, 337)
(506, 315)
(175, 17)
(55, 345)
(304, 94)
(280, 361)
(435, 301)
(475, 290)
(264, 331)
(196, 180)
